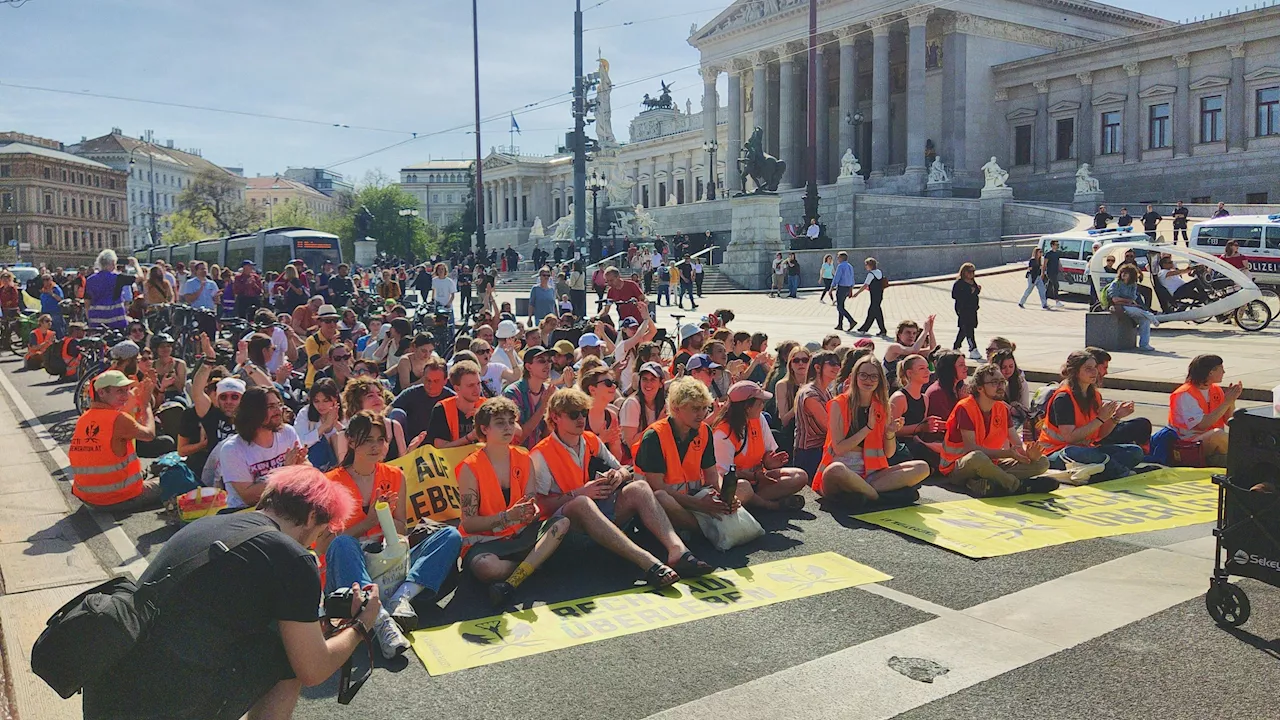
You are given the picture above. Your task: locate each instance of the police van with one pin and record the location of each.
(1075, 248)
(1257, 235)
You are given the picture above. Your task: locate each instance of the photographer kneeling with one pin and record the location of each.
(241, 634)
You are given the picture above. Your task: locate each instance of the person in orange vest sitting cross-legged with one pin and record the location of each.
(1200, 407)
(575, 476)
(745, 443)
(105, 468)
(678, 457)
(983, 451)
(862, 460)
(1078, 422)
(504, 542)
(39, 341)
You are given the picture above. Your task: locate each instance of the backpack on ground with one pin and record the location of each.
(54, 364)
(1161, 446)
(98, 628)
(176, 477)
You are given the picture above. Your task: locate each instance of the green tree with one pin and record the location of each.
(218, 195)
(291, 212)
(185, 227)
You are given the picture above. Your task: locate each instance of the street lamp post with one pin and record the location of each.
(151, 184)
(408, 214)
(710, 147)
(596, 184)
(855, 119)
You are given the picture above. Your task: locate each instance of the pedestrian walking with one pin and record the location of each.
(793, 275)
(842, 277)
(685, 268)
(874, 283)
(698, 272)
(1052, 267)
(827, 273)
(779, 275)
(965, 293)
(1035, 279)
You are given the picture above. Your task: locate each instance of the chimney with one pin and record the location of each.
(84, 138)
(116, 131)
(168, 144)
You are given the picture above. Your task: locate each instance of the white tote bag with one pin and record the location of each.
(728, 531)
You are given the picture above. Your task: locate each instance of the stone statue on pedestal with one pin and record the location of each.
(938, 171)
(994, 174)
(644, 224)
(564, 226)
(763, 169)
(604, 111)
(1086, 183)
(537, 231)
(849, 165)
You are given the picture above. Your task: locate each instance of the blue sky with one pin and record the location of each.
(397, 65)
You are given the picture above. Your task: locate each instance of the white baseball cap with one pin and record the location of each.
(589, 340)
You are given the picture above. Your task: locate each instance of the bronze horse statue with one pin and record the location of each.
(762, 168)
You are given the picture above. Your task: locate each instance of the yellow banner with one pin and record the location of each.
(1169, 498)
(431, 480)
(545, 628)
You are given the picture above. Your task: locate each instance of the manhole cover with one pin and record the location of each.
(918, 669)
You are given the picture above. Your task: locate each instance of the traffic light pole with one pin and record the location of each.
(579, 132)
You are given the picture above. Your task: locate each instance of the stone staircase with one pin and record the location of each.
(522, 281)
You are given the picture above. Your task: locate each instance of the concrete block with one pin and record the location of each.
(23, 617)
(1109, 331)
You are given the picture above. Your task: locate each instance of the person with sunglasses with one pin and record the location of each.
(532, 391)
(339, 370)
(811, 410)
(575, 476)
(493, 375)
(599, 385)
(318, 344)
(744, 442)
(215, 398)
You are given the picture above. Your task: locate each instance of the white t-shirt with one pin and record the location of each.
(443, 290)
(492, 377)
(279, 347)
(1171, 280)
(620, 350)
(777, 266)
(872, 275)
(725, 450)
(246, 462)
(1187, 413)
(500, 355)
(655, 261)
(544, 482)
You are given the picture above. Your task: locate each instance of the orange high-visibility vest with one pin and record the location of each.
(1054, 439)
(386, 479)
(451, 414)
(680, 474)
(874, 457)
(991, 438)
(491, 500)
(568, 474)
(1216, 397)
(747, 455)
(100, 476)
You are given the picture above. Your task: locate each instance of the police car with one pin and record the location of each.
(1075, 248)
(1257, 235)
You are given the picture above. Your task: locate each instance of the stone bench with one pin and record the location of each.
(1110, 331)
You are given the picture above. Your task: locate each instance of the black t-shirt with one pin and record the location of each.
(422, 283)
(686, 271)
(1101, 219)
(1180, 217)
(1051, 262)
(217, 426)
(1151, 220)
(216, 629)
(417, 406)
(340, 288)
(439, 427)
(1062, 411)
(1125, 220)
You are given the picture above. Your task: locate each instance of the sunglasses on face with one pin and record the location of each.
(340, 358)
(577, 414)
(799, 360)
(607, 382)
(328, 322)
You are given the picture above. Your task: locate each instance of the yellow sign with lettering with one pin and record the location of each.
(489, 640)
(1168, 498)
(431, 481)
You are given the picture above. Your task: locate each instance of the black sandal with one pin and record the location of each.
(690, 566)
(661, 576)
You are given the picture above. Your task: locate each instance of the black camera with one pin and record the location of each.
(337, 604)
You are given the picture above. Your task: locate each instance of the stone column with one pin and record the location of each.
(879, 96)
(1084, 137)
(788, 113)
(1040, 145)
(710, 104)
(1183, 115)
(1133, 114)
(954, 94)
(671, 177)
(733, 138)
(916, 139)
(760, 94)
(848, 87)
(1237, 123)
(690, 180)
(653, 183)
(519, 211)
(824, 117)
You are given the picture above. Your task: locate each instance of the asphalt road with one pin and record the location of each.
(1174, 664)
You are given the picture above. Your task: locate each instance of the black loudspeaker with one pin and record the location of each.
(1254, 453)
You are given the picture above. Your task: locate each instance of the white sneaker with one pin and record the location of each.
(1058, 302)
(976, 355)
(403, 613)
(392, 641)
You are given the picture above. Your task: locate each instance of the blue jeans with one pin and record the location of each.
(793, 284)
(430, 563)
(1037, 284)
(685, 289)
(1143, 318)
(1120, 460)
(664, 291)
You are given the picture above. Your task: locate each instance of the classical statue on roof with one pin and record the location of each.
(663, 101)
(604, 106)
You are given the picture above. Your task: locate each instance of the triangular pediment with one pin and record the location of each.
(1264, 73)
(496, 161)
(1157, 91)
(742, 14)
(1109, 98)
(1064, 106)
(1211, 81)
(1021, 114)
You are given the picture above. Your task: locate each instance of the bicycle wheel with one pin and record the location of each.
(82, 392)
(666, 350)
(1253, 316)
(1272, 300)
(14, 340)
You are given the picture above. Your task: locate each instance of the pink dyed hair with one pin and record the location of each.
(296, 492)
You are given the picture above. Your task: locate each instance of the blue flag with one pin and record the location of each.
(514, 125)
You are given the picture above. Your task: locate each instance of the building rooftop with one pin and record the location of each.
(279, 182)
(115, 142)
(18, 148)
(440, 165)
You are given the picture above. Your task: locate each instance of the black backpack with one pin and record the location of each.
(111, 619)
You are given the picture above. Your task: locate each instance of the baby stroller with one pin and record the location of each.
(1247, 546)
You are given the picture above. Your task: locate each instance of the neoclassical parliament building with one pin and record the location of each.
(1160, 109)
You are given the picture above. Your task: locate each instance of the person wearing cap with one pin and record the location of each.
(531, 392)
(691, 339)
(507, 351)
(593, 345)
(318, 344)
(563, 359)
(105, 469)
(171, 371)
(703, 370)
(746, 444)
(645, 404)
(215, 398)
(247, 288)
(631, 335)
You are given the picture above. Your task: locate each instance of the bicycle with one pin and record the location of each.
(93, 362)
(14, 331)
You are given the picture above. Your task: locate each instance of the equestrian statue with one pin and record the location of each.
(764, 170)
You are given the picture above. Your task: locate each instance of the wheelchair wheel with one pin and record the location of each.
(1253, 316)
(1227, 604)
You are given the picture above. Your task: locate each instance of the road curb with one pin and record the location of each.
(1141, 385)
